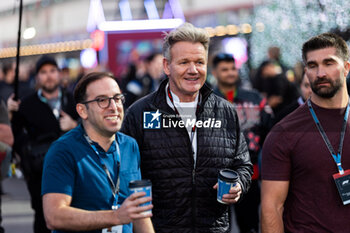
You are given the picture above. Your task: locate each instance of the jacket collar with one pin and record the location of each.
(218, 92)
(159, 100)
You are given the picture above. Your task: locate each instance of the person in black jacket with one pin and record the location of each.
(186, 134)
(273, 84)
(149, 82)
(305, 93)
(37, 121)
(255, 119)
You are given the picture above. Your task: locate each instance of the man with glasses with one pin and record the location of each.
(87, 171)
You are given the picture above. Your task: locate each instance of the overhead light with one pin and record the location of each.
(211, 31)
(246, 28)
(232, 29)
(220, 30)
(125, 10)
(133, 25)
(260, 27)
(151, 9)
(29, 33)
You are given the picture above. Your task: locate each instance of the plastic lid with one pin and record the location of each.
(139, 183)
(228, 175)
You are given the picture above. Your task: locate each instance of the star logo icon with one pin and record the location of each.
(151, 120)
(155, 115)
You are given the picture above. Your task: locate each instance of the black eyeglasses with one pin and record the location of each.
(105, 102)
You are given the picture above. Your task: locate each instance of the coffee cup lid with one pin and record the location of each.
(228, 175)
(139, 183)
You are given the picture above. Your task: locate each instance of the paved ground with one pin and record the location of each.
(16, 211)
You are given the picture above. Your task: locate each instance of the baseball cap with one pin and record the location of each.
(44, 60)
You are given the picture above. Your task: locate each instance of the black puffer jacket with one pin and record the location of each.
(183, 196)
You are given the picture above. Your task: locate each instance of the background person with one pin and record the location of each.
(273, 84)
(7, 85)
(149, 82)
(37, 121)
(6, 142)
(255, 119)
(305, 93)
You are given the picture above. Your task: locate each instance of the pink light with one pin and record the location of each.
(238, 47)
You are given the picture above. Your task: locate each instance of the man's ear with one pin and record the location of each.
(82, 111)
(347, 68)
(166, 66)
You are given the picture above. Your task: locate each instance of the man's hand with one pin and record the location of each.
(234, 194)
(66, 122)
(130, 209)
(12, 105)
(59, 214)
(274, 100)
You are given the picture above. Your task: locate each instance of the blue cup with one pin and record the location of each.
(226, 180)
(136, 186)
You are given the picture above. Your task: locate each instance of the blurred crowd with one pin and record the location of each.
(272, 79)
(272, 91)
(275, 90)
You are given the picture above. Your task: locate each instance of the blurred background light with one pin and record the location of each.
(238, 47)
(29, 33)
(140, 24)
(88, 58)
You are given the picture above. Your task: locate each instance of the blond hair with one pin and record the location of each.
(186, 32)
